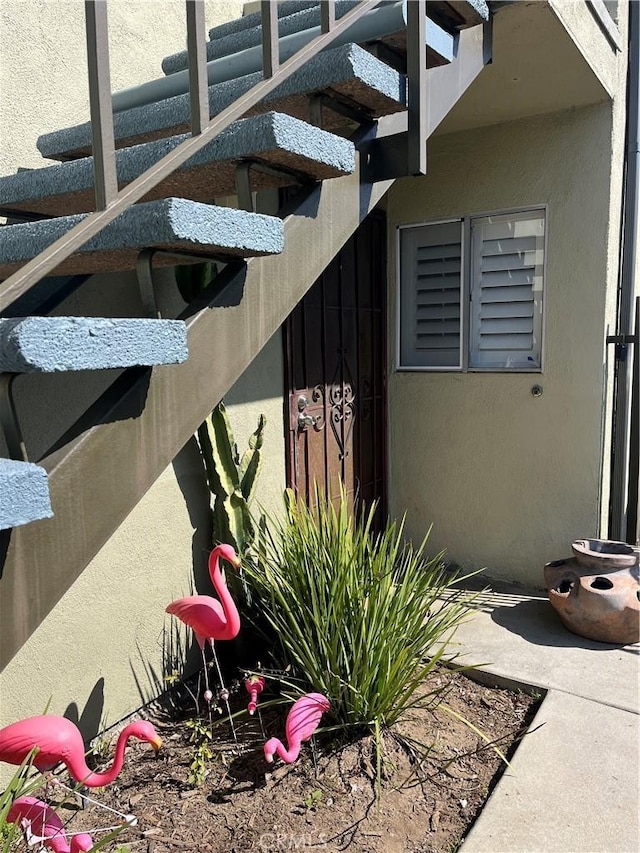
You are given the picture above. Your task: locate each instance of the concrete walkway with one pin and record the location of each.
(574, 784)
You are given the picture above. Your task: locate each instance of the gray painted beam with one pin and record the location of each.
(52, 344)
(103, 466)
(388, 153)
(172, 224)
(274, 139)
(24, 494)
(348, 72)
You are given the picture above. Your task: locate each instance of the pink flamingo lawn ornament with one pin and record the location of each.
(41, 824)
(59, 740)
(302, 721)
(211, 619)
(254, 685)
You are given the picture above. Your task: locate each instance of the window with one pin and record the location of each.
(471, 293)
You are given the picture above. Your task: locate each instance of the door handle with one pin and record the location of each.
(306, 421)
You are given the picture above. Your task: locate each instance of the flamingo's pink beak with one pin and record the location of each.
(236, 563)
(156, 743)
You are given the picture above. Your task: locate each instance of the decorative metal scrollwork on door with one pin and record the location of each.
(342, 400)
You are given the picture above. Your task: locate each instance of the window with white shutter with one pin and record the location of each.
(475, 310)
(507, 264)
(430, 285)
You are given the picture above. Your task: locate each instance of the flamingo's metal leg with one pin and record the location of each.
(224, 692)
(208, 695)
(314, 755)
(261, 723)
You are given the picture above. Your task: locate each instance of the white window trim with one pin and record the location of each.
(465, 219)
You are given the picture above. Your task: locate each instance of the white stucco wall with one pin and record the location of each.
(508, 480)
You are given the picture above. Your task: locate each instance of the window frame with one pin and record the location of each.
(465, 221)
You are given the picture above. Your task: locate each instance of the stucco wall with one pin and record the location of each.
(508, 480)
(106, 633)
(43, 66)
(102, 644)
(587, 32)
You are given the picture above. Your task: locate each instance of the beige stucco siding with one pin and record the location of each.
(588, 34)
(109, 625)
(508, 480)
(43, 65)
(105, 635)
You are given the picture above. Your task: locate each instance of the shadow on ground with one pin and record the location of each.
(536, 621)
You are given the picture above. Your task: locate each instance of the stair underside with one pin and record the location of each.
(140, 410)
(170, 225)
(24, 493)
(348, 73)
(53, 344)
(145, 413)
(300, 151)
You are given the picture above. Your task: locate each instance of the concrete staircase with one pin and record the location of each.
(319, 130)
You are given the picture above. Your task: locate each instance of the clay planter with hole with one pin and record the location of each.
(597, 591)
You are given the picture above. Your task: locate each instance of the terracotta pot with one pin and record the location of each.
(604, 555)
(597, 591)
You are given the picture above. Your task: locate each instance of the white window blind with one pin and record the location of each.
(507, 265)
(430, 284)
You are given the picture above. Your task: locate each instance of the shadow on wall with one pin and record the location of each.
(537, 622)
(5, 541)
(180, 659)
(90, 721)
(180, 654)
(192, 482)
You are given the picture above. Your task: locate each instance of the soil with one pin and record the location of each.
(327, 799)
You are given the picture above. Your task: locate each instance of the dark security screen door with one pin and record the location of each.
(336, 372)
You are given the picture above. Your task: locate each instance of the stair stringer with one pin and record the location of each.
(135, 433)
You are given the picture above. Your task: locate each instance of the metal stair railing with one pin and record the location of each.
(110, 202)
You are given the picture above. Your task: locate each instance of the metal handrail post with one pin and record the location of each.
(197, 58)
(327, 15)
(417, 94)
(104, 150)
(270, 45)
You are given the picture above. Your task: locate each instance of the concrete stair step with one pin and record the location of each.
(450, 16)
(170, 225)
(348, 73)
(24, 493)
(385, 27)
(455, 14)
(55, 344)
(297, 150)
(290, 21)
(237, 25)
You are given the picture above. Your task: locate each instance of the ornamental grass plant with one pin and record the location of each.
(358, 615)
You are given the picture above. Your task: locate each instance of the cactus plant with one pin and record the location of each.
(232, 481)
